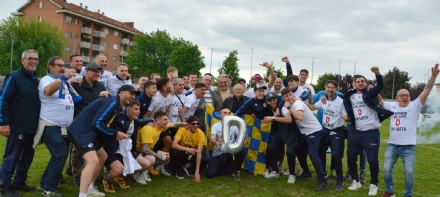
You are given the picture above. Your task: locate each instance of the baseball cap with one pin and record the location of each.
(93, 66)
(260, 86)
(128, 88)
(241, 79)
(271, 95)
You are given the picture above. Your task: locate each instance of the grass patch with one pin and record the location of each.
(427, 179)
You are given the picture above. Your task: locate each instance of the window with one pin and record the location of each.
(115, 46)
(40, 5)
(116, 34)
(68, 19)
(39, 18)
(115, 59)
(67, 50)
(106, 30)
(106, 56)
(68, 34)
(105, 44)
(76, 22)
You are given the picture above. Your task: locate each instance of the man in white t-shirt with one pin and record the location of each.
(192, 101)
(312, 129)
(298, 92)
(333, 118)
(277, 86)
(177, 103)
(55, 115)
(366, 116)
(121, 78)
(403, 133)
(303, 76)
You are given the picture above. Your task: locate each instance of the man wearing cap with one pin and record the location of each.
(242, 82)
(122, 77)
(235, 102)
(257, 79)
(256, 105)
(89, 90)
(89, 128)
(101, 60)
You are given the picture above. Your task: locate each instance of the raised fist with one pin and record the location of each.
(285, 59)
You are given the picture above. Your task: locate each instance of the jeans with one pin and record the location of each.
(179, 158)
(408, 155)
(301, 151)
(273, 150)
(18, 158)
(58, 147)
(336, 142)
(363, 155)
(315, 147)
(224, 164)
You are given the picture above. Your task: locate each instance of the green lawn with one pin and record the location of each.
(426, 174)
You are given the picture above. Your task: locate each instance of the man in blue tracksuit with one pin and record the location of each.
(88, 128)
(366, 116)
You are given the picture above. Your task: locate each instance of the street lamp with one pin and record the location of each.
(424, 78)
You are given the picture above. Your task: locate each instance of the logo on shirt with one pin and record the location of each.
(327, 119)
(360, 112)
(397, 122)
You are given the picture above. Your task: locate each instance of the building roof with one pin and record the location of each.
(96, 17)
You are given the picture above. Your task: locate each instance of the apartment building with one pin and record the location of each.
(88, 32)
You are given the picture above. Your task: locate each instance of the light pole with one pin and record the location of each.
(424, 78)
(392, 91)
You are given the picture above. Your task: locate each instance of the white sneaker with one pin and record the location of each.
(373, 190)
(146, 175)
(291, 179)
(94, 192)
(138, 177)
(266, 172)
(300, 171)
(356, 185)
(162, 170)
(272, 175)
(286, 173)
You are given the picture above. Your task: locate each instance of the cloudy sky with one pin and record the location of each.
(404, 33)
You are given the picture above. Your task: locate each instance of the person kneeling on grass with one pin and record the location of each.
(147, 139)
(188, 146)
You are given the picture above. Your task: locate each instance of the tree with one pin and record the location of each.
(416, 90)
(42, 36)
(401, 81)
(230, 66)
(153, 52)
(278, 73)
(322, 79)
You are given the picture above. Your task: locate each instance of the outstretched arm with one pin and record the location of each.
(288, 70)
(424, 95)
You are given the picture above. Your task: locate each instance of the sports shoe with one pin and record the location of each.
(95, 192)
(272, 175)
(355, 185)
(108, 186)
(179, 173)
(339, 185)
(154, 172)
(321, 186)
(266, 172)
(52, 193)
(138, 177)
(291, 179)
(286, 173)
(300, 171)
(373, 190)
(162, 170)
(362, 178)
(40, 188)
(146, 175)
(347, 175)
(305, 176)
(280, 169)
(9, 193)
(122, 183)
(77, 181)
(236, 175)
(388, 194)
(22, 186)
(188, 170)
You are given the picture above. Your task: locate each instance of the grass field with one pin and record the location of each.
(427, 178)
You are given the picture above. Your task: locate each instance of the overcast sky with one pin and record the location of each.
(404, 33)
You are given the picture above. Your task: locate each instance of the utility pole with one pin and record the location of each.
(252, 53)
(313, 62)
(210, 67)
(339, 77)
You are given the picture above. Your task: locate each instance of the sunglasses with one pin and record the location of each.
(194, 123)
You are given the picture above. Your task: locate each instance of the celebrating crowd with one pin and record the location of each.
(108, 130)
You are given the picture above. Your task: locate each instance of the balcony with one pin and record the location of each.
(97, 47)
(132, 43)
(125, 41)
(84, 44)
(85, 59)
(86, 30)
(99, 34)
(124, 53)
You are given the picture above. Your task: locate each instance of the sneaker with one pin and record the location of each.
(362, 178)
(188, 170)
(95, 192)
(280, 169)
(52, 193)
(286, 173)
(138, 177)
(373, 190)
(154, 171)
(305, 176)
(339, 185)
(347, 175)
(9, 193)
(146, 175)
(69, 172)
(122, 183)
(163, 170)
(355, 185)
(272, 175)
(266, 172)
(236, 175)
(179, 173)
(76, 181)
(40, 188)
(99, 181)
(388, 194)
(291, 179)
(108, 186)
(321, 186)
(325, 174)
(22, 186)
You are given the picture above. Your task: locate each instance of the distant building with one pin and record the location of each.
(88, 33)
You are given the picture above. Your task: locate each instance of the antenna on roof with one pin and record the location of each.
(86, 7)
(81, 4)
(98, 11)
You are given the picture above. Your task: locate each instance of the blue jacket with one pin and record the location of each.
(254, 106)
(19, 102)
(289, 72)
(369, 97)
(95, 119)
(145, 103)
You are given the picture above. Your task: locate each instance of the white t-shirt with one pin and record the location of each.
(365, 117)
(175, 108)
(192, 103)
(307, 85)
(53, 109)
(403, 124)
(216, 130)
(251, 92)
(332, 113)
(159, 103)
(272, 89)
(113, 84)
(299, 92)
(309, 124)
(130, 129)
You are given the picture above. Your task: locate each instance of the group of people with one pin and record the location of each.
(105, 123)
